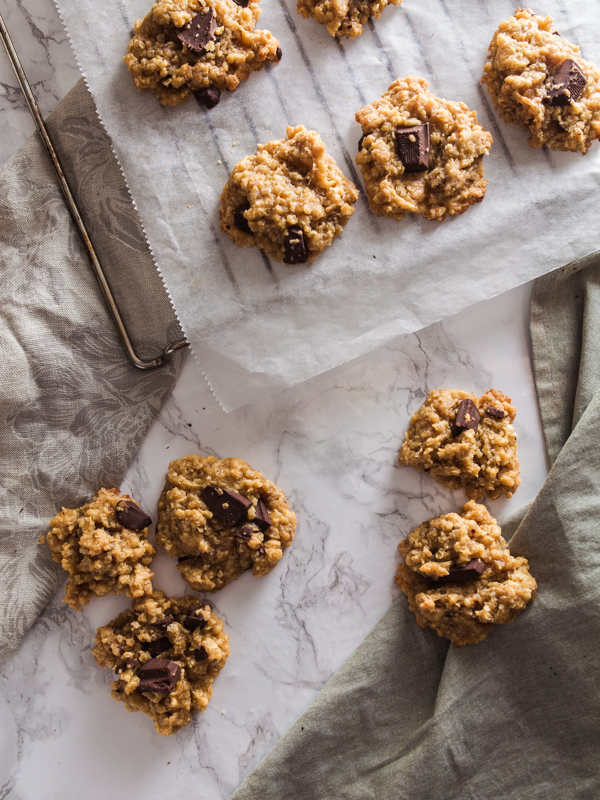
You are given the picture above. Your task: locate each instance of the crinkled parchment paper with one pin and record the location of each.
(256, 326)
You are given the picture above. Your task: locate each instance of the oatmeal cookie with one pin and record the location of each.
(464, 440)
(290, 198)
(166, 653)
(460, 578)
(539, 81)
(344, 18)
(420, 154)
(221, 518)
(103, 546)
(185, 46)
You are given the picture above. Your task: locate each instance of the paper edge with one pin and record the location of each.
(121, 170)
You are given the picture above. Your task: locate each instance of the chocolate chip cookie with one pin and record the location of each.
(290, 198)
(166, 653)
(420, 154)
(540, 82)
(463, 440)
(460, 578)
(344, 18)
(221, 518)
(103, 546)
(198, 46)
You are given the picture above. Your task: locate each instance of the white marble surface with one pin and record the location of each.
(332, 445)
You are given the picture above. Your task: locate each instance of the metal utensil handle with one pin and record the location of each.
(140, 363)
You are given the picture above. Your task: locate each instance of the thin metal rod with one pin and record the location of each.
(85, 238)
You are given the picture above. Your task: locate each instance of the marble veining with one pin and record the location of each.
(332, 445)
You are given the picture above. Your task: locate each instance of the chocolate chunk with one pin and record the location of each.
(294, 246)
(278, 53)
(195, 620)
(162, 624)
(242, 3)
(200, 31)
(228, 506)
(497, 413)
(261, 516)
(208, 97)
(261, 551)
(244, 533)
(567, 85)
(200, 654)
(129, 663)
(239, 220)
(158, 647)
(469, 572)
(131, 516)
(158, 675)
(467, 418)
(360, 141)
(184, 558)
(413, 145)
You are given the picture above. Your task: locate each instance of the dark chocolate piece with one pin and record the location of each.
(239, 220)
(497, 413)
(414, 145)
(162, 624)
(242, 3)
(244, 533)
(228, 506)
(467, 417)
(261, 551)
(294, 246)
(195, 620)
(360, 141)
(200, 31)
(278, 53)
(131, 516)
(469, 572)
(129, 663)
(184, 558)
(158, 675)
(208, 97)
(200, 654)
(158, 647)
(262, 518)
(567, 85)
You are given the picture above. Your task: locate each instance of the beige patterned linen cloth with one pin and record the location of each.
(73, 411)
(516, 717)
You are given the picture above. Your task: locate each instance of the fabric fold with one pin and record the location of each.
(517, 715)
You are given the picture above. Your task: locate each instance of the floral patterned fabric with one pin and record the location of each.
(73, 410)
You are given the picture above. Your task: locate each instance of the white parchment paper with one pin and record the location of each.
(256, 326)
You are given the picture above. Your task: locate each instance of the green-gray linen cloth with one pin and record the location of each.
(73, 411)
(516, 717)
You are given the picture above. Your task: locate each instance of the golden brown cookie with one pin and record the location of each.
(290, 198)
(463, 440)
(420, 154)
(540, 82)
(460, 578)
(166, 653)
(103, 546)
(199, 46)
(221, 518)
(344, 18)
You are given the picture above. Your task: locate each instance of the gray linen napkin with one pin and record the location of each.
(73, 411)
(518, 715)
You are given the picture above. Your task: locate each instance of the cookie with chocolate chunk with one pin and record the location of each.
(464, 440)
(198, 46)
(221, 518)
(290, 199)
(166, 653)
(344, 18)
(460, 578)
(421, 154)
(539, 81)
(104, 547)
